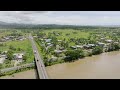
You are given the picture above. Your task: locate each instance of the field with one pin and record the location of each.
(78, 34)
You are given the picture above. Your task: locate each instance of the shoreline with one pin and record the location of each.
(84, 58)
(28, 74)
(97, 66)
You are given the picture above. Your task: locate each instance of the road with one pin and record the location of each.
(39, 62)
(17, 67)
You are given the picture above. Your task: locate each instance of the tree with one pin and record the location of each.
(25, 57)
(12, 48)
(116, 46)
(10, 55)
(19, 49)
(74, 54)
(97, 50)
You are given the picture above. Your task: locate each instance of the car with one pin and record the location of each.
(35, 52)
(37, 60)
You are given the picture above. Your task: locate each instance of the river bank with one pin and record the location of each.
(29, 74)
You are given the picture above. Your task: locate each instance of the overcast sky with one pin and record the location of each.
(62, 17)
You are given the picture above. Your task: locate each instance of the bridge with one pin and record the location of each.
(42, 74)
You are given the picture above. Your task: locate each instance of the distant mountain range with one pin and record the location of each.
(16, 25)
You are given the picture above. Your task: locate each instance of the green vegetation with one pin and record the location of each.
(13, 41)
(65, 45)
(97, 50)
(58, 44)
(74, 55)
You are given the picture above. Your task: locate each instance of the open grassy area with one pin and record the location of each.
(78, 34)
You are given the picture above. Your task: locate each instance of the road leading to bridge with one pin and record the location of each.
(39, 62)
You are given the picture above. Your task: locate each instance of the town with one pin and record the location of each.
(57, 46)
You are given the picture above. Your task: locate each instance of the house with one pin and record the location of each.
(2, 58)
(108, 41)
(48, 40)
(61, 48)
(59, 40)
(78, 46)
(18, 56)
(4, 52)
(102, 38)
(58, 51)
(53, 59)
(116, 42)
(91, 45)
(101, 44)
(6, 38)
(74, 47)
(48, 44)
(35, 36)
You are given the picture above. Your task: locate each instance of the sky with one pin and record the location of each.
(62, 17)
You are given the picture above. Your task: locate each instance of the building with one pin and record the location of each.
(61, 48)
(48, 40)
(18, 56)
(58, 51)
(108, 41)
(89, 46)
(59, 40)
(116, 42)
(2, 58)
(101, 44)
(76, 47)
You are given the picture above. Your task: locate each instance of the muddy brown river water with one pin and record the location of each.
(104, 66)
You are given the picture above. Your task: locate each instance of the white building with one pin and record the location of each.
(18, 56)
(2, 58)
(108, 41)
(48, 40)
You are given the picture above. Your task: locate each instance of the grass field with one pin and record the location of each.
(79, 34)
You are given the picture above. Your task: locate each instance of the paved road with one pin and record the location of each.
(17, 67)
(39, 62)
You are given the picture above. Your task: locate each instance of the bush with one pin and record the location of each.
(73, 55)
(89, 54)
(97, 50)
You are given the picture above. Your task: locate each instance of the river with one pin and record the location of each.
(29, 74)
(103, 66)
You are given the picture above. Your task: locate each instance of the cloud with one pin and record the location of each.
(62, 17)
(19, 16)
(31, 12)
